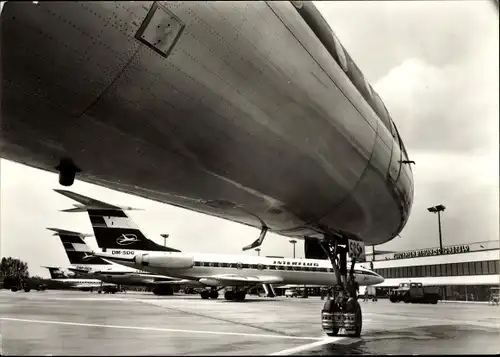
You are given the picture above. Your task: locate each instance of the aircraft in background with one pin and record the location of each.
(123, 242)
(85, 264)
(276, 128)
(67, 280)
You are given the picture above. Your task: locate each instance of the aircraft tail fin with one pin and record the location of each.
(113, 229)
(56, 273)
(77, 250)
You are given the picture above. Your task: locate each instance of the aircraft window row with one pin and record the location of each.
(357, 78)
(344, 60)
(274, 267)
(452, 269)
(340, 53)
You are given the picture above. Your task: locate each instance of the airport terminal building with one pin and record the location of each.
(461, 272)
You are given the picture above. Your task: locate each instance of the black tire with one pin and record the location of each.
(331, 307)
(13, 289)
(240, 296)
(205, 294)
(27, 289)
(214, 294)
(335, 332)
(359, 320)
(229, 295)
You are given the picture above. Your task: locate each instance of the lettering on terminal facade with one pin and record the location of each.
(431, 252)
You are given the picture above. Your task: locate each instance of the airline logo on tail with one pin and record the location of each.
(127, 239)
(87, 257)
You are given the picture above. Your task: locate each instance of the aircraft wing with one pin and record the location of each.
(178, 282)
(80, 286)
(155, 278)
(233, 279)
(158, 279)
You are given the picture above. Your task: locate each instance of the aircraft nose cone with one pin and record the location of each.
(379, 279)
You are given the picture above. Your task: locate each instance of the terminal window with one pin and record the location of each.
(485, 267)
(466, 268)
(451, 269)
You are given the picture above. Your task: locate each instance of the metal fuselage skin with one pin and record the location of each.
(79, 283)
(211, 266)
(127, 279)
(245, 116)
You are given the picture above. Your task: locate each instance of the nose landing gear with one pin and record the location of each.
(343, 311)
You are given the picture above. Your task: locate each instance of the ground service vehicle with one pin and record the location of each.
(291, 293)
(414, 293)
(370, 293)
(15, 284)
(494, 296)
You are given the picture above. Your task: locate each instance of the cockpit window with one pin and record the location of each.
(401, 144)
(379, 108)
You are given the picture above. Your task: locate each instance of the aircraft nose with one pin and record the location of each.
(379, 279)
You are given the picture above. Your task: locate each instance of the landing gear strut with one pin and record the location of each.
(343, 311)
(214, 294)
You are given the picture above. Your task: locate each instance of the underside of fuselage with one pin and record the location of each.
(233, 109)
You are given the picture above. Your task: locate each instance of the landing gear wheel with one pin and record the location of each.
(327, 318)
(358, 320)
(334, 332)
(214, 294)
(229, 295)
(240, 295)
(205, 294)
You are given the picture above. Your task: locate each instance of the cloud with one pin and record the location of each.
(448, 119)
(453, 108)
(379, 35)
(467, 185)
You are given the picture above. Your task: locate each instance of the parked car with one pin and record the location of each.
(292, 293)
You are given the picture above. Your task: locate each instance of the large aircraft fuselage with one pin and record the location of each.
(234, 109)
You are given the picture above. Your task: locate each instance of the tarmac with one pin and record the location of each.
(82, 323)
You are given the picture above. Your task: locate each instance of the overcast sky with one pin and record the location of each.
(435, 64)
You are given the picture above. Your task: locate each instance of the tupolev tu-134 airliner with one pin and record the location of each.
(235, 274)
(249, 111)
(124, 243)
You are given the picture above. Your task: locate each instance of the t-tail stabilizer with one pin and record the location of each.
(113, 229)
(56, 272)
(77, 250)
